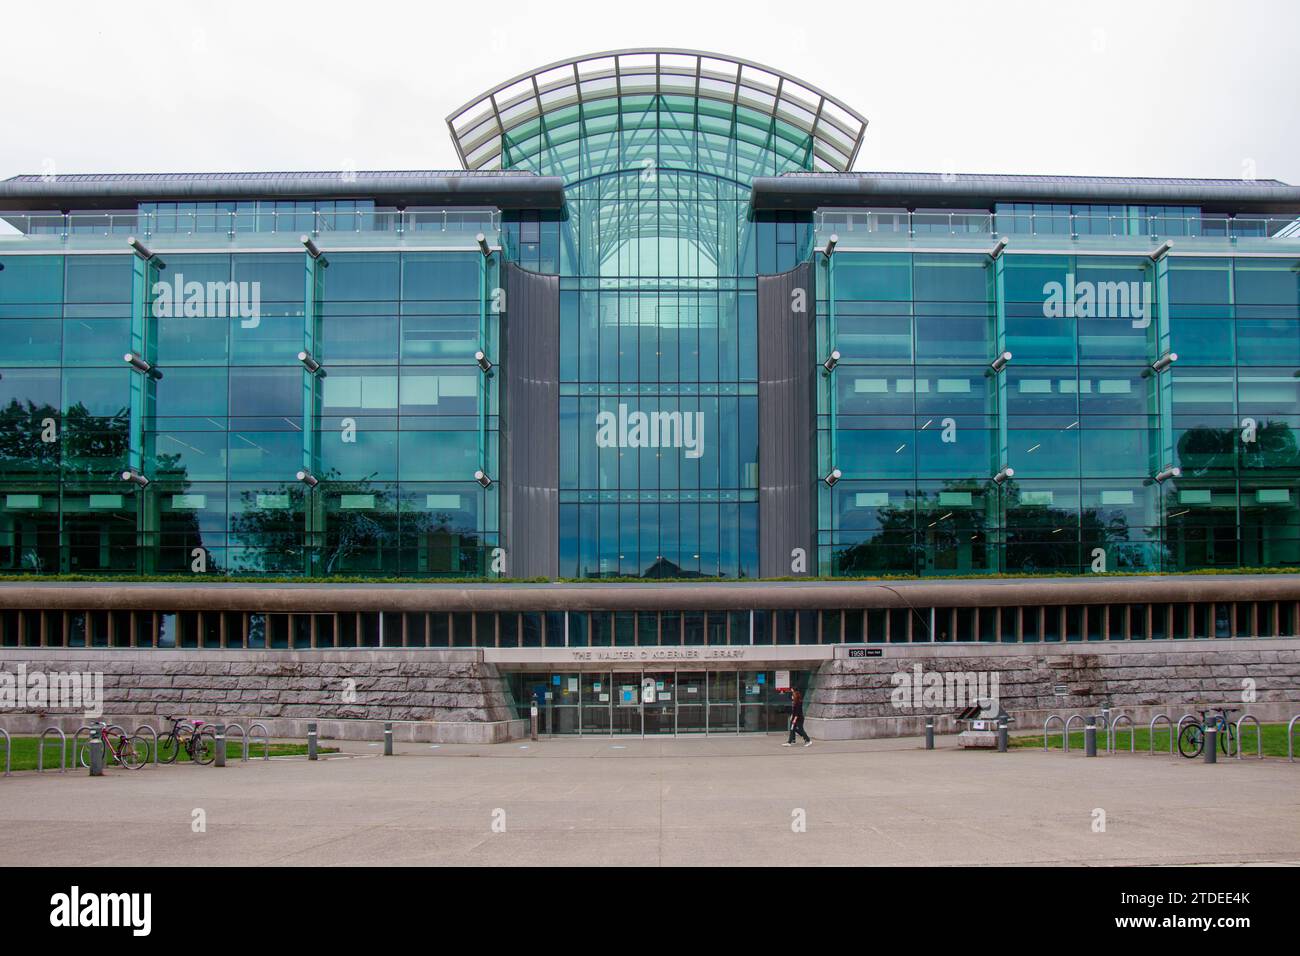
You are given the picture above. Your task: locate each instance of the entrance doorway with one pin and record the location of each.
(656, 703)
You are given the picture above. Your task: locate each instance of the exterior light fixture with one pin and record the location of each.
(141, 366)
(141, 250)
(483, 246)
(313, 250)
(998, 247)
(308, 479)
(833, 361)
(1171, 471)
(999, 363)
(483, 361)
(830, 245)
(1162, 363)
(1002, 476)
(1161, 250)
(310, 364)
(834, 476)
(137, 479)
(482, 478)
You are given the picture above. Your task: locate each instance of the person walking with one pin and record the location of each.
(796, 720)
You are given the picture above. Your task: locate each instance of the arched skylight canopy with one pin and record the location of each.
(671, 109)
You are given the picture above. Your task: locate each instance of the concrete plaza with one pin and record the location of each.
(715, 801)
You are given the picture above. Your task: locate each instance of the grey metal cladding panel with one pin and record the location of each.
(785, 421)
(530, 428)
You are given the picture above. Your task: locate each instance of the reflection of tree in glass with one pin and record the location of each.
(21, 449)
(95, 445)
(1275, 447)
(1203, 451)
(179, 531)
(269, 539)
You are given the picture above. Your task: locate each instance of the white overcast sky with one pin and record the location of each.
(1190, 88)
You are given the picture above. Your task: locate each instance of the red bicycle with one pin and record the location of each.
(131, 752)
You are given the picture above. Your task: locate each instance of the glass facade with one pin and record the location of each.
(394, 429)
(918, 421)
(658, 327)
(658, 247)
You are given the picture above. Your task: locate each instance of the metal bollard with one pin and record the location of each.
(311, 741)
(929, 733)
(533, 722)
(220, 759)
(96, 746)
(388, 738)
(1211, 744)
(1090, 737)
(1002, 735)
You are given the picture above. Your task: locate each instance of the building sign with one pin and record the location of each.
(866, 652)
(634, 429)
(638, 657)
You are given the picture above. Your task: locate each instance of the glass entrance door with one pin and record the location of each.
(626, 713)
(659, 702)
(596, 698)
(753, 701)
(692, 706)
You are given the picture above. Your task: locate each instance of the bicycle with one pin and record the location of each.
(1191, 741)
(196, 739)
(131, 752)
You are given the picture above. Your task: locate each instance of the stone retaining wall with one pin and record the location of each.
(852, 698)
(446, 695)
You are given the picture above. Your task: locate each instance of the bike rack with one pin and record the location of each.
(1259, 736)
(1290, 754)
(1114, 726)
(1183, 719)
(265, 738)
(76, 741)
(1073, 718)
(154, 734)
(9, 752)
(1065, 744)
(243, 738)
(63, 749)
(1151, 734)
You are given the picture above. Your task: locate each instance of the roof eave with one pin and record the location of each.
(807, 192)
(506, 191)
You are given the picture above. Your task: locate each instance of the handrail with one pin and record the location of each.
(1073, 718)
(266, 739)
(250, 222)
(1114, 726)
(243, 739)
(1259, 736)
(1072, 225)
(1065, 744)
(1151, 734)
(63, 750)
(9, 752)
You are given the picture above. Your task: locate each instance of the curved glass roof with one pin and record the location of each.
(665, 108)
